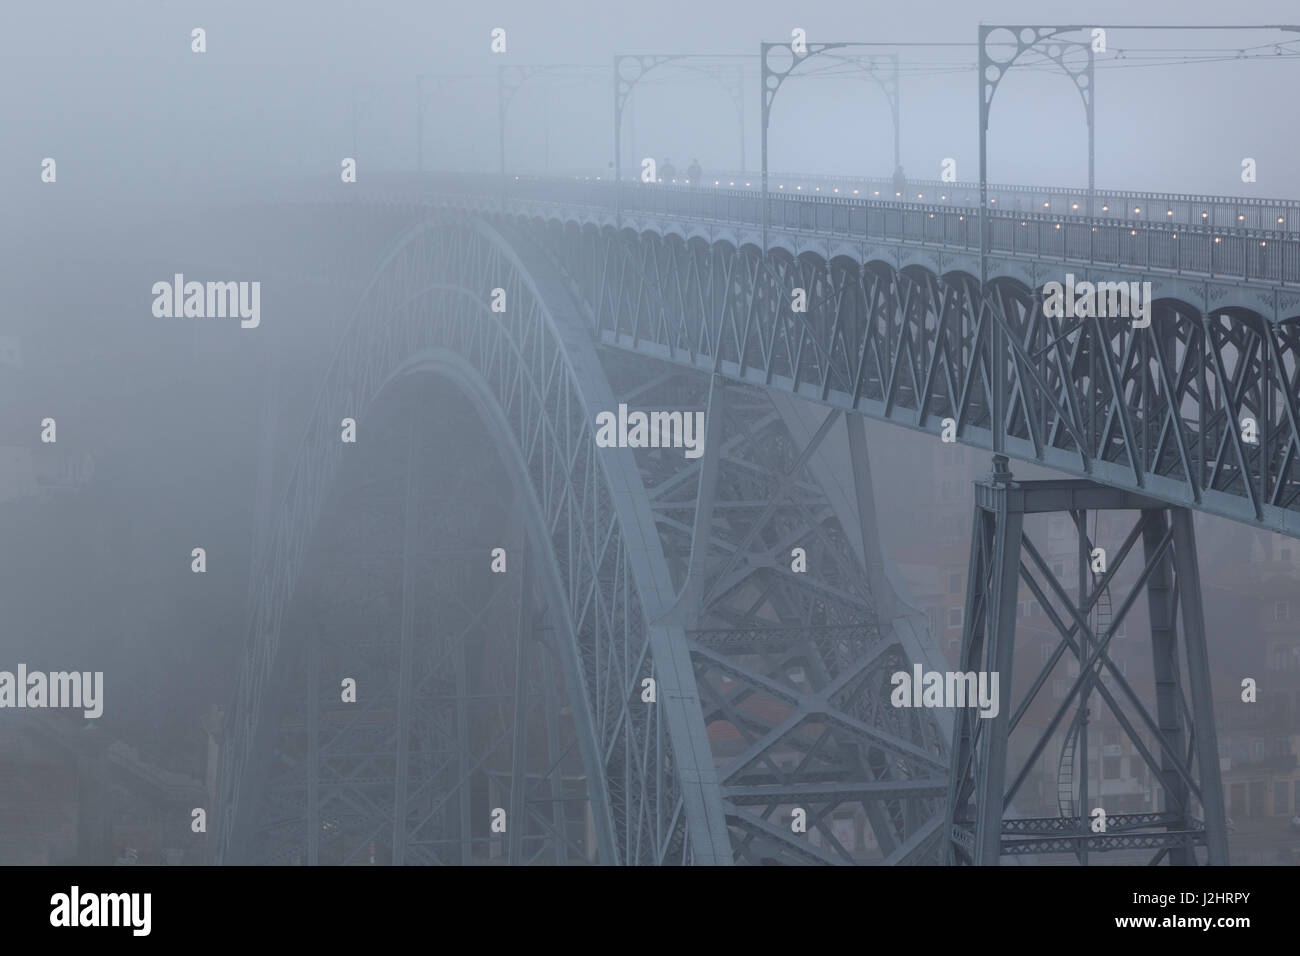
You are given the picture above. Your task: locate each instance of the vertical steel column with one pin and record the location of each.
(1164, 661)
(618, 146)
(1089, 102)
(883, 597)
(965, 721)
(740, 107)
(989, 74)
(986, 97)
(1170, 577)
(997, 400)
(1085, 693)
(765, 114)
(688, 606)
(873, 559)
(1001, 609)
(1187, 568)
(896, 109)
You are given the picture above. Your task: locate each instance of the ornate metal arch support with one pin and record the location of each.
(771, 76)
(991, 73)
(652, 792)
(1049, 42)
(1157, 410)
(843, 470)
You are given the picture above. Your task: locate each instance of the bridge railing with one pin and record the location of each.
(1242, 253)
(1149, 207)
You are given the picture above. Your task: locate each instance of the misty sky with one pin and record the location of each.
(114, 93)
(146, 133)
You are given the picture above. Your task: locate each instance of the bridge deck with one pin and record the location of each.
(1181, 246)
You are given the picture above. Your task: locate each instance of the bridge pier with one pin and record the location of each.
(1178, 742)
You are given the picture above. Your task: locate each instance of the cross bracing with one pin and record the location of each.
(897, 329)
(768, 679)
(687, 312)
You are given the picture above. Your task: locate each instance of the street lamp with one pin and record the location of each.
(630, 69)
(510, 79)
(771, 76)
(1050, 41)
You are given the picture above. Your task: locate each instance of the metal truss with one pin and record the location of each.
(533, 381)
(1158, 410)
(1124, 831)
(1061, 203)
(1177, 742)
(790, 664)
(458, 690)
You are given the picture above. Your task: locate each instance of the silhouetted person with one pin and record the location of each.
(693, 172)
(667, 171)
(900, 182)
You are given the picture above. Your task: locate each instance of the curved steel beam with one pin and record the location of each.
(596, 516)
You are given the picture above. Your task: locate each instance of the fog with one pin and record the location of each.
(163, 154)
(114, 93)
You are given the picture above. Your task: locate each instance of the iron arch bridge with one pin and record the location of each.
(770, 684)
(897, 328)
(521, 697)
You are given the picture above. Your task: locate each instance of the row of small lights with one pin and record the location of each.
(1105, 208)
(1046, 205)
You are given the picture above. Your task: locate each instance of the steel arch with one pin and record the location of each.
(657, 791)
(393, 597)
(594, 514)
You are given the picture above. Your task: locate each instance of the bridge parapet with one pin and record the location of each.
(1255, 256)
(1208, 209)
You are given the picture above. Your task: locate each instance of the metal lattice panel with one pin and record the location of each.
(1169, 724)
(1156, 409)
(613, 534)
(792, 666)
(897, 329)
(461, 696)
(427, 307)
